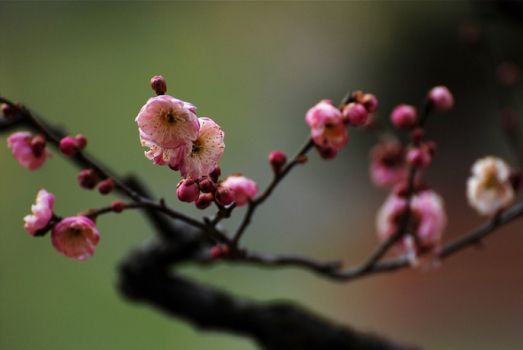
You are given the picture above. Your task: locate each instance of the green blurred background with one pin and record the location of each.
(255, 68)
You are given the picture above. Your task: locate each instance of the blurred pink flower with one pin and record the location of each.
(42, 212)
(168, 122)
(441, 98)
(75, 237)
(387, 166)
(328, 130)
(201, 156)
(29, 151)
(242, 188)
(428, 219)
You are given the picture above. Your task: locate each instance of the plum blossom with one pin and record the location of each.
(75, 237)
(168, 122)
(387, 166)
(489, 188)
(162, 156)
(428, 219)
(201, 156)
(242, 188)
(42, 212)
(28, 150)
(328, 130)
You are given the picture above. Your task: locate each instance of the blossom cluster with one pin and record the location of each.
(176, 137)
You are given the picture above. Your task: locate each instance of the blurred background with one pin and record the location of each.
(256, 68)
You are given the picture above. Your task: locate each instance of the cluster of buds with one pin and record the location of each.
(70, 145)
(90, 179)
(329, 124)
(390, 164)
(208, 189)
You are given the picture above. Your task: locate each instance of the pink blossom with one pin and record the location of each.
(387, 167)
(428, 218)
(168, 122)
(42, 212)
(75, 237)
(404, 116)
(242, 188)
(201, 156)
(162, 156)
(327, 127)
(355, 114)
(441, 98)
(29, 151)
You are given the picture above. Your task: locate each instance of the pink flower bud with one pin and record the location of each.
(404, 116)
(81, 141)
(219, 251)
(159, 85)
(204, 200)
(441, 98)
(215, 174)
(68, 146)
(187, 190)
(355, 114)
(29, 155)
(106, 186)
(8, 111)
(207, 185)
(417, 135)
(42, 213)
(242, 188)
(370, 102)
(419, 158)
(88, 179)
(223, 196)
(117, 206)
(75, 237)
(38, 145)
(277, 160)
(327, 152)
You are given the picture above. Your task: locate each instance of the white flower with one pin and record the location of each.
(489, 189)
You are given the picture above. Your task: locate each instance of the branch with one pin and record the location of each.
(278, 177)
(145, 277)
(84, 160)
(334, 271)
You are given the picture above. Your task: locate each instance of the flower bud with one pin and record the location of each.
(404, 116)
(215, 174)
(159, 85)
(81, 141)
(419, 158)
(207, 185)
(441, 98)
(88, 179)
(187, 190)
(327, 153)
(224, 196)
(417, 135)
(219, 251)
(204, 200)
(38, 145)
(8, 111)
(277, 160)
(370, 102)
(117, 206)
(106, 186)
(355, 114)
(68, 146)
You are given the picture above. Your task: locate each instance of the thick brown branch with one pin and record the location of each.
(145, 277)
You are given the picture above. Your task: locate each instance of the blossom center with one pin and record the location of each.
(197, 148)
